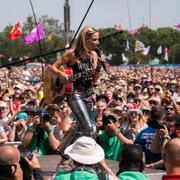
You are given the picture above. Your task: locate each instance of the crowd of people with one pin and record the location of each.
(134, 119)
(131, 106)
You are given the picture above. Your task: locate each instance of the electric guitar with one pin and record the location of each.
(54, 87)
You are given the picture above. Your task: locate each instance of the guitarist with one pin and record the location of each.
(82, 57)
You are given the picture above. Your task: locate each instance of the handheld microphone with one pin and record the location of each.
(102, 62)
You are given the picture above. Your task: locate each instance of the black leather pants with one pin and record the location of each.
(80, 103)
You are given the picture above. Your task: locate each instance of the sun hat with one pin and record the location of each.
(3, 104)
(137, 86)
(85, 150)
(134, 109)
(155, 100)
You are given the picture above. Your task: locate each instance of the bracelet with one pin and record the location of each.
(117, 132)
(166, 137)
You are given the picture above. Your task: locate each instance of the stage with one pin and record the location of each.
(49, 163)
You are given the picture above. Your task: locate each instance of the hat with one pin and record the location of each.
(154, 99)
(145, 106)
(134, 109)
(22, 115)
(85, 150)
(122, 82)
(118, 108)
(18, 86)
(173, 82)
(138, 85)
(3, 104)
(118, 97)
(131, 94)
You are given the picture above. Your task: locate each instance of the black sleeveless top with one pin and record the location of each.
(84, 68)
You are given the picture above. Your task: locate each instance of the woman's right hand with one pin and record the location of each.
(64, 77)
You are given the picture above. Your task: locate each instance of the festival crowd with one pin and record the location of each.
(136, 120)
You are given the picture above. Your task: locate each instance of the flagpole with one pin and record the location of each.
(39, 40)
(129, 16)
(150, 14)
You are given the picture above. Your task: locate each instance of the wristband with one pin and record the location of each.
(166, 137)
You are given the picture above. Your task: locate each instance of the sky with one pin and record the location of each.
(103, 13)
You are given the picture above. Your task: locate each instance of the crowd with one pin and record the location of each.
(136, 111)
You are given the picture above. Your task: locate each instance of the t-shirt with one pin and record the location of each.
(112, 145)
(40, 142)
(132, 175)
(85, 174)
(171, 177)
(144, 138)
(1, 129)
(4, 125)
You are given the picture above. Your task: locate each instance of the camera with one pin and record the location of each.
(43, 114)
(26, 154)
(45, 117)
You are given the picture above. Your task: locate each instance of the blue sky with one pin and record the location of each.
(103, 13)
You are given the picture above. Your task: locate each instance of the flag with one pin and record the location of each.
(35, 35)
(159, 50)
(166, 54)
(134, 31)
(127, 45)
(177, 26)
(125, 60)
(117, 27)
(145, 51)
(15, 32)
(139, 46)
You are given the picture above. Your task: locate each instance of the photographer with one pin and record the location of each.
(112, 138)
(40, 136)
(30, 166)
(11, 167)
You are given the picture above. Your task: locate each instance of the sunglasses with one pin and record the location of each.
(133, 113)
(153, 103)
(118, 112)
(169, 109)
(146, 112)
(2, 108)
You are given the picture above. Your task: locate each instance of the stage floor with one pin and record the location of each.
(49, 163)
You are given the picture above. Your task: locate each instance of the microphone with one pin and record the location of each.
(102, 62)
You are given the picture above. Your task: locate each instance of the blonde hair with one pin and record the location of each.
(79, 47)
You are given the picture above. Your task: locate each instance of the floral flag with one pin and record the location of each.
(35, 35)
(15, 32)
